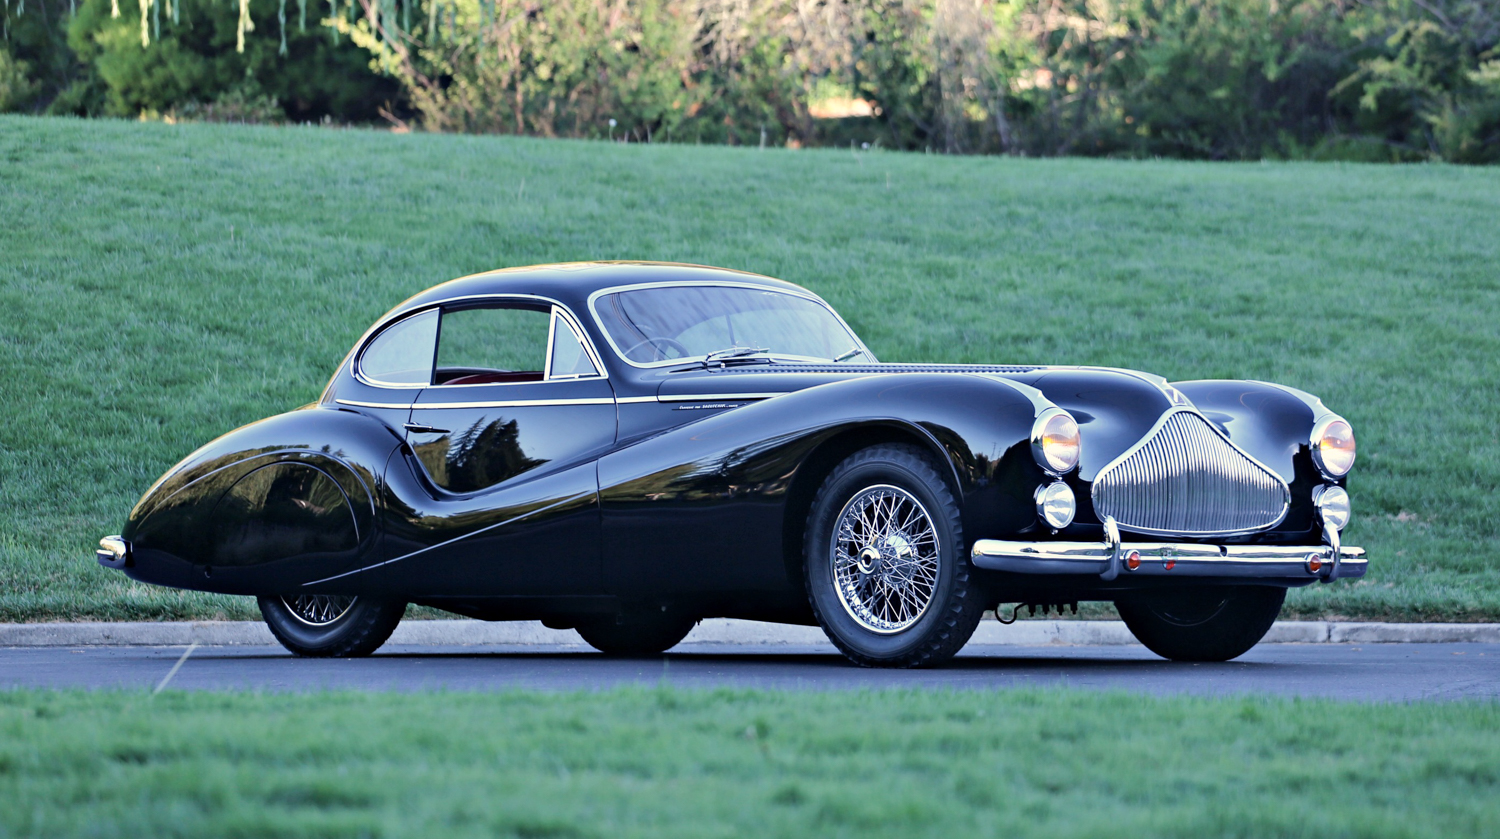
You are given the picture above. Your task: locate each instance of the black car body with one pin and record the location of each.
(620, 482)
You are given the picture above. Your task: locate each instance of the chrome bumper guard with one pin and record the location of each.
(1112, 558)
(113, 552)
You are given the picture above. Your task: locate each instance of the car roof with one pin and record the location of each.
(571, 283)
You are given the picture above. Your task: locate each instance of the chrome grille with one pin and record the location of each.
(1185, 478)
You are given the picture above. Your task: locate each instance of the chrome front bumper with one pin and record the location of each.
(1112, 558)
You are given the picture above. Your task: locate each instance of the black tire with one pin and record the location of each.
(1202, 624)
(858, 615)
(360, 629)
(637, 633)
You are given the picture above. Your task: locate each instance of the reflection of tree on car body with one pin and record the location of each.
(627, 448)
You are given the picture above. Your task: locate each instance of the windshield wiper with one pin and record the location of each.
(852, 352)
(732, 353)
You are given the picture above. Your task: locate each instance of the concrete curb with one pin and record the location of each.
(456, 633)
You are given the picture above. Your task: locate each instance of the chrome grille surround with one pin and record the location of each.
(1185, 478)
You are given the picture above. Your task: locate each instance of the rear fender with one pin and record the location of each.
(262, 509)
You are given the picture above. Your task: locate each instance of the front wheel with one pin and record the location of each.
(1202, 624)
(887, 574)
(331, 625)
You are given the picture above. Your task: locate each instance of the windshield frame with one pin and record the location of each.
(702, 359)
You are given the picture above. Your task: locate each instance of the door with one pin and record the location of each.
(507, 437)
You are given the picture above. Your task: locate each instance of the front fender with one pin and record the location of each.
(725, 480)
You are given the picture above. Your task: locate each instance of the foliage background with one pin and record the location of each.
(1375, 80)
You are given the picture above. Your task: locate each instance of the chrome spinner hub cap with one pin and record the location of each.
(318, 609)
(885, 559)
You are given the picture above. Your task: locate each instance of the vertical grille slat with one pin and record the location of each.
(1184, 478)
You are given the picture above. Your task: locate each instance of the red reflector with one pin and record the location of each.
(1170, 564)
(1314, 563)
(1133, 560)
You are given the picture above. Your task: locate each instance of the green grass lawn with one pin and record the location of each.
(667, 763)
(160, 285)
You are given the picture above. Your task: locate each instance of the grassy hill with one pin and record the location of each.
(160, 285)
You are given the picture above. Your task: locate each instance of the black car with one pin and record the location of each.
(628, 448)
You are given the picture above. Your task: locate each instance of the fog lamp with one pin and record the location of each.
(1333, 506)
(1056, 505)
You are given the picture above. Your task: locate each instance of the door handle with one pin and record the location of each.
(418, 428)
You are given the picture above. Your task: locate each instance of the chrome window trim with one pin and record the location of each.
(559, 313)
(1149, 436)
(609, 339)
(355, 367)
(556, 308)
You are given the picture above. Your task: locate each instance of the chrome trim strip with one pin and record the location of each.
(511, 520)
(354, 403)
(517, 403)
(720, 397)
(1150, 437)
(632, 400)
(514, 403)
(1186, 559)
(806, 295)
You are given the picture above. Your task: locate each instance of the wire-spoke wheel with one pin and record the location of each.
(885, 558)
(331, 625)
(318, 609)
(886, 572)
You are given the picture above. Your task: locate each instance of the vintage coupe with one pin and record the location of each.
(628, 448)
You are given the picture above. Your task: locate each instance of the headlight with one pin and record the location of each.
(1333, 506)
(1333, 446)
(1054, 441)
(1055, 504)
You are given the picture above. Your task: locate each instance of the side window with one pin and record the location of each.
(402, 354)
(567, 359)
(492, 345)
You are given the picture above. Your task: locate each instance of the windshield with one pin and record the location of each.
(648, 325)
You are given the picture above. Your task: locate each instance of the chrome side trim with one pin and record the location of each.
(513, 403)
(355, 403)
(634, 400)
(511, 520)
(719, 397)
(517, 403)
(1170, 559)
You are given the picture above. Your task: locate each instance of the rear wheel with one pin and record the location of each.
(887, 574)
(637, 633)
(331, 625)
(1202, 624)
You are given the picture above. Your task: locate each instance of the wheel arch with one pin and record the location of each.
(827, 455)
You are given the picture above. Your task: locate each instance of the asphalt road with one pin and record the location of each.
(1370, 672)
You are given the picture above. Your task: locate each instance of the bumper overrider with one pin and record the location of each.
(1112, 558)
(113, 552)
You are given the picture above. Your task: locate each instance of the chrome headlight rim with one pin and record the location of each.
(1332, 503)
(1315, 441)
(1046, 495)
(1039, 451)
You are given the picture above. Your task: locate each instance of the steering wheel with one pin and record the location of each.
(656, 345)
